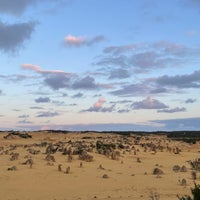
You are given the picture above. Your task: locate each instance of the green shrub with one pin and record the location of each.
(195, 194)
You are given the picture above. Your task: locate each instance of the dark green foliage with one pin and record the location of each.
(190, 137)
(195, 194)
(104, 146)
(185, 198)
(121, 146)
(195, 164)
(17, 134)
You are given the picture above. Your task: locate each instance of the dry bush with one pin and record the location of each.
(195, 164)
(194, 175)
(101, 167)
(86, 157)
(70, 158)
(154, 196)
(59, 167)
(195, 194)
(176, 168)
(157, 171)
(13, 168)
(183, 182)
(105, 176)
(67, 170)
(183, 169)
(50, 158)
(14, 156)
(28, 162)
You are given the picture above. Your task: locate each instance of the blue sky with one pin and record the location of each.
(100, 65)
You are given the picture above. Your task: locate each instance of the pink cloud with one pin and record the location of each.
(99, 103)
(38, 69)
(31, 67)
(74, 41)
(98, 107)
(43, 128)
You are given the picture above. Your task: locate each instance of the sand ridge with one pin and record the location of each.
(100, 166)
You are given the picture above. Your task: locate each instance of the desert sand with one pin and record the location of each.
(57, 166)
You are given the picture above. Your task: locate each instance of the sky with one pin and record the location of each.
(107, 65)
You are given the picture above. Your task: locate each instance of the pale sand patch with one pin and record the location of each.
(127, 180)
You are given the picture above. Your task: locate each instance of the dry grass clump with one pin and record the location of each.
(67, 170)
(101, 167)
(176, 168)
(115, 155)
(14, 134)
(183, 182)
(86, 157)
(13, 168)
(49, 158)
(183, 169)
(157, 171)
(33, 151)
(154, 196)
(194, 175)
(69, 158)
(60, 167)
(195, 194)
(195, 164)
(51, 149)
(14, 156)
(28, 162)
(105, 176)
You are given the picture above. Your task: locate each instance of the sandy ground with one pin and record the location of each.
(127, 178)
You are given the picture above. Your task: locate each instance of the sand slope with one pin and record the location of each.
(128, 179)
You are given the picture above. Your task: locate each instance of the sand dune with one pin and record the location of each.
(128, 167)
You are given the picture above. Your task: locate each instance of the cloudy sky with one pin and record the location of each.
(100, 64)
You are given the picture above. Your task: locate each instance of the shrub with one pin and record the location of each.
(195, 194)
(176, 168)
(154, 196)
(195, 164)
(157, 171)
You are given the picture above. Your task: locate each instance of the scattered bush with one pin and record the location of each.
(195, 194)
(154, 196)
(105, 176)
(176, 168)
(195, 164)
(157, 171)
(86, 157)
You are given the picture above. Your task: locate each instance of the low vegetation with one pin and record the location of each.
(195, 193)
